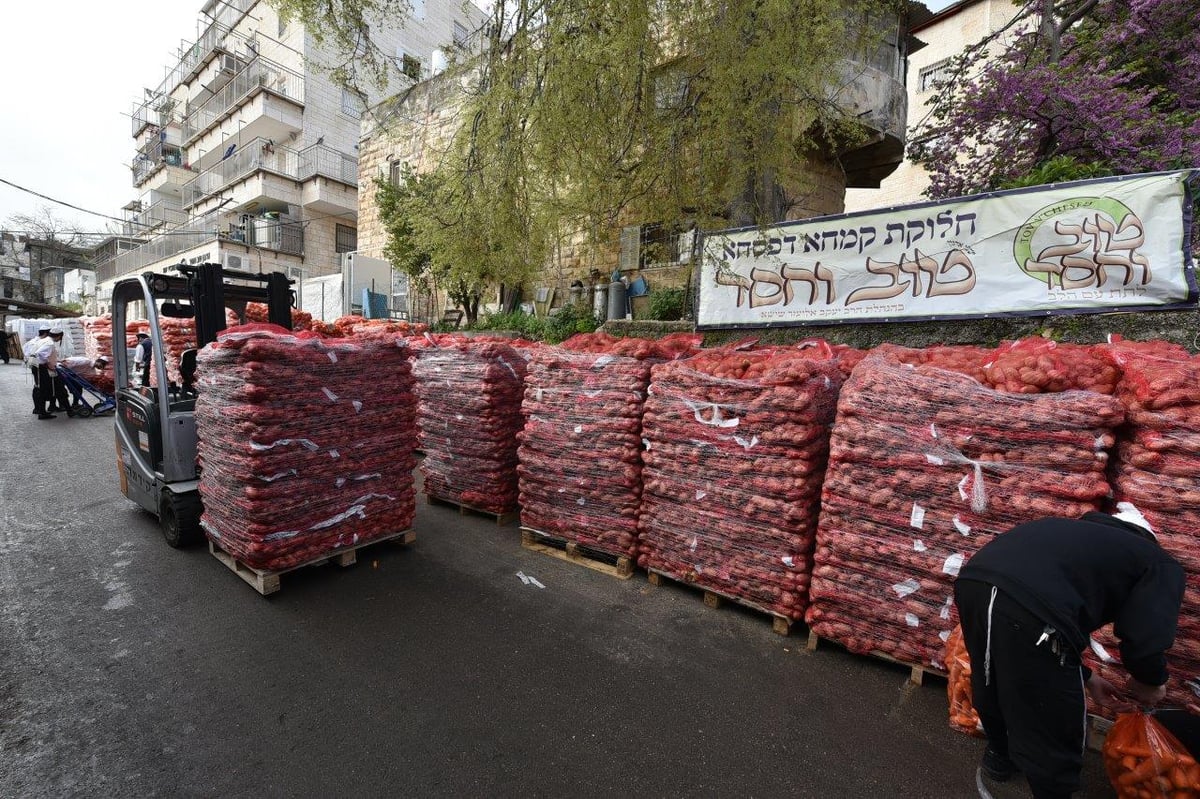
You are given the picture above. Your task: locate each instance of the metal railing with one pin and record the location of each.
(166, 211)
(262, 155)
(198, 232)
(218, 33)
(151, 156)
(321, 159)
(258, 73)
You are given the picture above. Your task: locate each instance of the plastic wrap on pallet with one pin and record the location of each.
(468, 418)
(1156, 473)
(306, 444)
(925, 466)
(580, 462)
(736, 444)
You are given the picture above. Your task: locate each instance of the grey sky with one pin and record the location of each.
(72, 70)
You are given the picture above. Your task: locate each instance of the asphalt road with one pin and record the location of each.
(131, 669)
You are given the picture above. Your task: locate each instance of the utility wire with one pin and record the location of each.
(59, 202)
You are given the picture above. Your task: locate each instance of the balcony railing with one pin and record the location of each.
(162, 212)
(200, 231)
(218, 33)
(153, 155)
(258, 73)
(262, 155)
(321, 159)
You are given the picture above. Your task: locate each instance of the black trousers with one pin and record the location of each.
(39, 402)
(53, 389)
(1030, 700)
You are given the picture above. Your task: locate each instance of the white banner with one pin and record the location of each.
(1114, 243)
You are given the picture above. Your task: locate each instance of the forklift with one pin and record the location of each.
(155, 426)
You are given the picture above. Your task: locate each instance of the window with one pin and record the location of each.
(282, 25)
(418, 9)
(411, 66)
(351, 105)
(395, 173)
(930, 76)
(345, 239)
(460, 34)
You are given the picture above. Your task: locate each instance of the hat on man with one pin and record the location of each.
(44, 330)
(143, 335)
(56, 332)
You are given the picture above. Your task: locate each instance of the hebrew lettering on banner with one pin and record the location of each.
(1078, 247)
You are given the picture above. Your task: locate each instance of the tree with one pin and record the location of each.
(1070, 89)
(53, 243)
(582, 115)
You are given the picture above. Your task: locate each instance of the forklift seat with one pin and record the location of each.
(187, 372)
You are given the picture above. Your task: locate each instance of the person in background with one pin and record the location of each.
(85, 368)
(1029, 601)
(44, 361)
(57, 395)
(30, 350)
(143, 356)
(3, 347)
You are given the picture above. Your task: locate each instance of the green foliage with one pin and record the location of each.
(667, 305)
(564, 323)
(1058, 169)
(343, 29)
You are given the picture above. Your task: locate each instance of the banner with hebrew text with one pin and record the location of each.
(1089, 246)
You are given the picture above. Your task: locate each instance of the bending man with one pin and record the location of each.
(1028, 601)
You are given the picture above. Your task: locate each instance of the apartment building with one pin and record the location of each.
(245, 153)
(944, 35)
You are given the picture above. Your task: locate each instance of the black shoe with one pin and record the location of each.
(996, 766)
(47, 416)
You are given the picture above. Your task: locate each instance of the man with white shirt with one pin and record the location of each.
(41, 357)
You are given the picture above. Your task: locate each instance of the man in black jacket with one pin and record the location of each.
(1028, 602)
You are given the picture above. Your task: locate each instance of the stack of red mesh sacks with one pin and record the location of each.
(97, 343)
(1157, 471)
(469, 415)
(580, 455)
(736, 443)
(925, 466)
(306, 444)
(259, 312)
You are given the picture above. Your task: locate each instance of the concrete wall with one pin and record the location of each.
(968, 23)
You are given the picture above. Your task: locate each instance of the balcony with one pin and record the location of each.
(216, 35)
(262, 157)
(256, 76)
(165, 211)
(203, 232)
(197, 233)
(154, 155)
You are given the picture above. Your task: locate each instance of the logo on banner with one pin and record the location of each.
(1084, 242)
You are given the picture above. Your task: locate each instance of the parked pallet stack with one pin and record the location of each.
(306, 444)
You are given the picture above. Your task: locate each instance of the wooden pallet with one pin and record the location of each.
(266, 581)
(619, 566)
(781, 624)
(916, 675)
(501, 518)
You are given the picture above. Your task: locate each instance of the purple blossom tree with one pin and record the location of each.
(1069, 89)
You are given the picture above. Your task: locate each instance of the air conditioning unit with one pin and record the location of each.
(232, 261)
(229, 64)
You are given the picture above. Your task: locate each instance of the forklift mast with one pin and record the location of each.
(155, 426)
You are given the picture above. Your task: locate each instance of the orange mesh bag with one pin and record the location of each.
(1144, 761)
(958, 663)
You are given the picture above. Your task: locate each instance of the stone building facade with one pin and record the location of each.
(417, 127)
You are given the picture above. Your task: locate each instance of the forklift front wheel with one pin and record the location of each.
(179, 515)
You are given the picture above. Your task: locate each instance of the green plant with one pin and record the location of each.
(666, 305)
(528, 326)
(569, 320)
